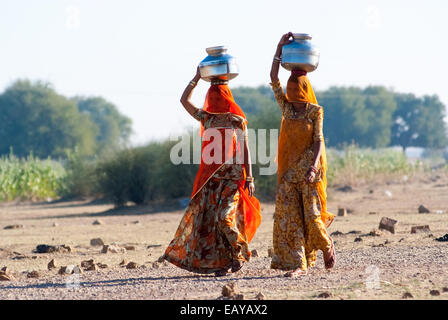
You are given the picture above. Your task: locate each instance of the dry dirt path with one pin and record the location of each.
(376, 267)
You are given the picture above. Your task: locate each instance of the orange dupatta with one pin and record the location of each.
(299, 89)
(219, 99)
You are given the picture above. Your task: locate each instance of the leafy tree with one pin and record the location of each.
(34, 118)
(114, 128)
(419, 122)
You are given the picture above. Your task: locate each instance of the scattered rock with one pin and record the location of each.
(55, 224)
(375, 233)
(373, 212)
(325, 295)
(445, 289)
(358, 239)
(130, 248)
(156, 265)
(91, 267)
(51, 265)
(87, 263)
(13, 226)
(123, 263)
(443, 238)
(417, 229)
(271, 252)
(371, 191)
(260, 296)
(153, 246)
(96, 242)
(102, 265)
(5, 270)
(5, 277)
(423, 209)
(342, 212)
(230, 289)
(71, 269)
(388, 193)
(113, 249)
(354, 232)
(337, 233)
(434, 292)
(131, 265)
(136, 222)
(388, 224)
(407, 295)
(45, 248)
(239, 296)
(254, 253)
(346, 188)
(33, 274)
(97, 222)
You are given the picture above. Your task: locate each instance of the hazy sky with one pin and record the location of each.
(140, 54)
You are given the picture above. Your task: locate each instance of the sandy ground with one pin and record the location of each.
(377, 267)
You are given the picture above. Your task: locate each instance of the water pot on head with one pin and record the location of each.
(300, 54)
(218, 65)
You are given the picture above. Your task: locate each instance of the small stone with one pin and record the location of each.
(346, 188)
(358, 239)
(325, 295)
(55, 224)
(113, 249)
(417, 229)
(337, 233)
(230, 289)
(342, 212)
(388, 224)
(124, 262)
(87, 263)
(373, 212)
(354, 232)
(260, 296)
(156, 265)
(130, 248)
(375, 233)
(33, 274)
(5, 270)
(5, 277)
(136, 222)
(51, 265)
(91, 267)
(161, 258)
(254, 253)
(13, 226)
(96, 242)
(445, 289)
(239, 296)
(131, 265)
(434, 292)
(407, 295)
(62, 270)
(271, 252)
(97, 222)
(67, 248)
(423, 209)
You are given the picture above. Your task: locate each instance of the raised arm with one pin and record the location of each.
(186, 96)
(277, 57)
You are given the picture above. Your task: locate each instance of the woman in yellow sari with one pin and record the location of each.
(223, 215)
(301, 217)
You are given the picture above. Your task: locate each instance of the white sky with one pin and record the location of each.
(140, 54)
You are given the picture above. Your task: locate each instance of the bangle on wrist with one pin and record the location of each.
(250, 179)
(193, 83)
(314, 169)
(277, 58)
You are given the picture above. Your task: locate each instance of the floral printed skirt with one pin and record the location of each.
(211, 233)
(298, 229)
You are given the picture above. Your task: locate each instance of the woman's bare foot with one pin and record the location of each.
(295, 273)
(237, 265)
(330, 257)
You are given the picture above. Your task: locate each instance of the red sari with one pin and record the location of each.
(221, 218)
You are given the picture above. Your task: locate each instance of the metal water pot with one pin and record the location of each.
(218, 65)
(301, 54)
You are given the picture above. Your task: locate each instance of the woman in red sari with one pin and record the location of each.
(223, 214)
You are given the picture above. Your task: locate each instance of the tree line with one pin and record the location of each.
(371, 117)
